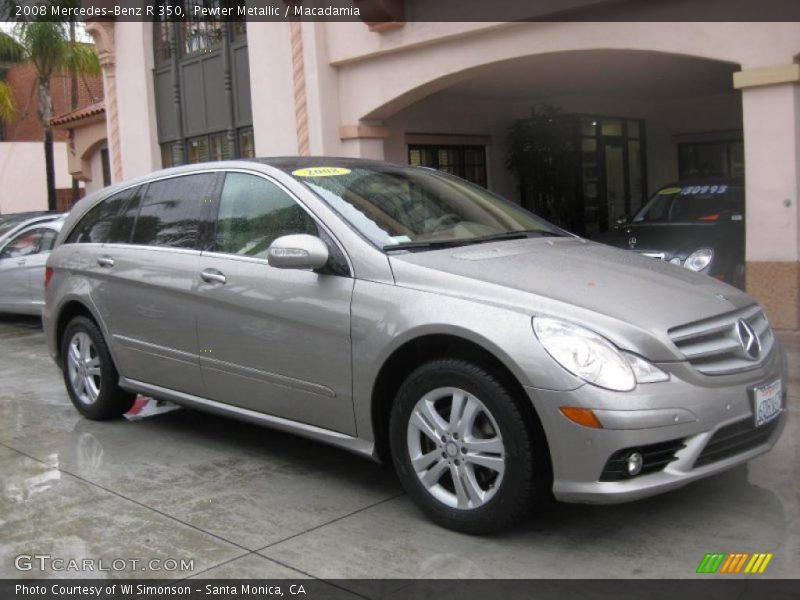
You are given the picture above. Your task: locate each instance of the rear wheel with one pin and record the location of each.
(463, 449)
(89, 372)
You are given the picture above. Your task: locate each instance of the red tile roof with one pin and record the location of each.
(98, 108)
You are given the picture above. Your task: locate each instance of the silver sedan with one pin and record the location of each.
(22, 266)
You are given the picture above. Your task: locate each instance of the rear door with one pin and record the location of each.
(148, 278)
(273, 340)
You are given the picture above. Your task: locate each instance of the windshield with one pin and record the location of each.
(8, 223)
(396, 207)
(693, 204)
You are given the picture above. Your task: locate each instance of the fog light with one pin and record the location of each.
(634, 463)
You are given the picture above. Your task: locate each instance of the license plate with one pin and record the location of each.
(767, 402)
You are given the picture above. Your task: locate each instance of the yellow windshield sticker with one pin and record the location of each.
(320, 172)
(669, 191)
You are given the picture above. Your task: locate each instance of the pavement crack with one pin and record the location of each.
(124, 497)
(350, 514)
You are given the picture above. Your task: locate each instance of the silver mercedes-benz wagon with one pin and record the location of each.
(407, 315)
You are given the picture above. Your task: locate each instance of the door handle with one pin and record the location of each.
(210, 275)
(105, 261)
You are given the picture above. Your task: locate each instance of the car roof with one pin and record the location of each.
(22, 216)
(286, 163)
(55, 224)
(38, 218)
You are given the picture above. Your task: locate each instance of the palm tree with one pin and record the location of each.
(47, 46)
(9, 52)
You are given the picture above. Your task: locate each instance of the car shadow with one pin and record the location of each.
(21, 321)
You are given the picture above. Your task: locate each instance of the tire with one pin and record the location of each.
(89, 372)
(500, 458)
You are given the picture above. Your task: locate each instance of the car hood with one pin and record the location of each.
(674, 239)
(571, 278)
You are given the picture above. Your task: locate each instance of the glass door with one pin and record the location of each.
(616, 193)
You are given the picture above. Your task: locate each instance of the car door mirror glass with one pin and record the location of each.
(298, 251)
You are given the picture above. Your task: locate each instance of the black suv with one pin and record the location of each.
(698, 225)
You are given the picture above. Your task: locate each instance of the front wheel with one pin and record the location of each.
(89, 372)
(463, 450)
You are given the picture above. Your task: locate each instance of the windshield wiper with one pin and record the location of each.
(428, 244)
(435, 244)
(513, 235)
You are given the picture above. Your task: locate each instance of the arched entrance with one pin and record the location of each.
(609, 126)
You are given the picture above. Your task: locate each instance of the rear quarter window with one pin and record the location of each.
(95, 226)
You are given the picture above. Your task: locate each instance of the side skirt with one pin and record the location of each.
(334, 438)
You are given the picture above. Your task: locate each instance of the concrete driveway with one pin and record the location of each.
(245, 502)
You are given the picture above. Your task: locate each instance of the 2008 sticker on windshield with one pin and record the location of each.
(321, 172)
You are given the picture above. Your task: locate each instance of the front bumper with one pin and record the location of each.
(690, 408)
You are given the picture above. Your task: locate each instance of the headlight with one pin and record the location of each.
(591, 357)
(699, 259)
(643, 370)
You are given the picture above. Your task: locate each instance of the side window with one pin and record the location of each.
(95, 226)
(122, 228)
(253, 212)
(173, 210)
(25, 244)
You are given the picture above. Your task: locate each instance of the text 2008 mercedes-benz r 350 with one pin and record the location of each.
(407, 315)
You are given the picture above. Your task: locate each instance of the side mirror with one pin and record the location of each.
(299, 251)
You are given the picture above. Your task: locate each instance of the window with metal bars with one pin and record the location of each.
(467, 162)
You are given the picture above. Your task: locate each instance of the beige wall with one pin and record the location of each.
(23, 185)
(379, 84)
(447, 114)
(95, 172)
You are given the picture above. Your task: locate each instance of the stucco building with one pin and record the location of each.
(22, 159)
(650, 102)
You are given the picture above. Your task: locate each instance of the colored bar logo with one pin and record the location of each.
(734, 563)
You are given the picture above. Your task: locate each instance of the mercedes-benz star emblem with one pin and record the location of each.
(632, 242)
(748, 339)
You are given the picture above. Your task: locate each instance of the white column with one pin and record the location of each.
(272, 88)
(322, 91)
(138, 134)
(771, 115)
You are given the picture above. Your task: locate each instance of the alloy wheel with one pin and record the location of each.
(456, 448)
(83, 366)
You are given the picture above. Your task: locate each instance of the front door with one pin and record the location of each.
(272, 340)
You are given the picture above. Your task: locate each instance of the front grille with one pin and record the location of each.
(655, 458)
(712, 345)
(735, 439)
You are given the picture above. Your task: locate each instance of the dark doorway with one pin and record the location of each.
(593, 169)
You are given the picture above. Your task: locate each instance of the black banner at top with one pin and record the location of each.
(377, 12)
